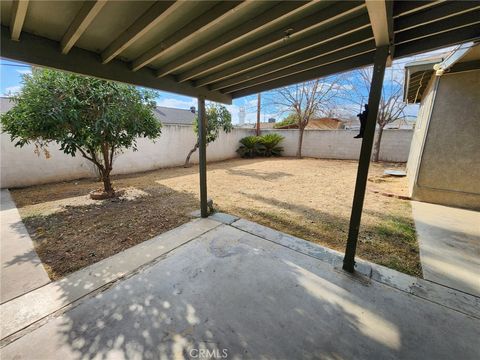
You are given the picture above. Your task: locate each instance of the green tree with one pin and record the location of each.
(218, 118)
(85, 115)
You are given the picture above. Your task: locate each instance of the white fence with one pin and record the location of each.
(340, 144)
(22, 167)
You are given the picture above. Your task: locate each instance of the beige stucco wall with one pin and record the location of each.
(449, 171)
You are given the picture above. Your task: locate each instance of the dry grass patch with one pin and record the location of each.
(308, 198)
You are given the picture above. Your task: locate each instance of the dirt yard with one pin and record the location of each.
(308, 198)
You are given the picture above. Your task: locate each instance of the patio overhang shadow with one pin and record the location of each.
(222, 50)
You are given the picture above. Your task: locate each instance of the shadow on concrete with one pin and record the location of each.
(230, 291)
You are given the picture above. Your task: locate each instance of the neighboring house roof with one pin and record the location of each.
(174, 116)
(418, 73)
(266, 125)
(325, 124)
(165, 115)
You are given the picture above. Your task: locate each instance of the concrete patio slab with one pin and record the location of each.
(427, 290)
(21, 269)
(449, 240)
(231, 292)
(35, 305)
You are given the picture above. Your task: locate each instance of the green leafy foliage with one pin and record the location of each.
(291, 119)
(250, 147)
(85, 115)
(266, 145)
(218, 118)
(270, 143)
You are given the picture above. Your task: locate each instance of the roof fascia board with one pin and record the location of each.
(44, 52)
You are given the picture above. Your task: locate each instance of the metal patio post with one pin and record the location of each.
(381, 56)
(202, 155)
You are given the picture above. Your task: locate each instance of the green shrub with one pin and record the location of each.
(249, 146)
(270, 144)
(291, 119)
(266, 145)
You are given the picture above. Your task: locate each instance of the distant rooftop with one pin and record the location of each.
(166, 115)
(173, 116)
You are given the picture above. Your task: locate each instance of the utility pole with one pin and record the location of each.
(259, 102)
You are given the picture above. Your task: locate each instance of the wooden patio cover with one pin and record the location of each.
(226, 49)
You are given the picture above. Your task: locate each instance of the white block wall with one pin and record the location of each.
(22, 167)
(340, 144)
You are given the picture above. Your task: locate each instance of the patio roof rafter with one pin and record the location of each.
(19, 11)
(438, 13)
(150, 18)
(328, 48)
(316, 22)
(404, 8)
(449, 24)
(324, 38)
(85, 16)
(409, 24)
(439, 40)
(271, 18)
(211, 17)
(313, 73)
(345, 53)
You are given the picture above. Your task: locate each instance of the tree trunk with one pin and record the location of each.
(187, 160)
(107, 184)
(300, 141)
(107, 163)
(376, 153)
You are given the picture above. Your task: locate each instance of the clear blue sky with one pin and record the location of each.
(11, 76)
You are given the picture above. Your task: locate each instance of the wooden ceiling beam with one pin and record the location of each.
(19, 12)
(149, 19)
(83, 19)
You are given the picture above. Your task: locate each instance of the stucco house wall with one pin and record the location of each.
(444, 162)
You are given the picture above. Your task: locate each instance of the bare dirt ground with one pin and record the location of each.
(308, 198)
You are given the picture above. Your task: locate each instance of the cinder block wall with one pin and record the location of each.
(22, 167)
(340, 144)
